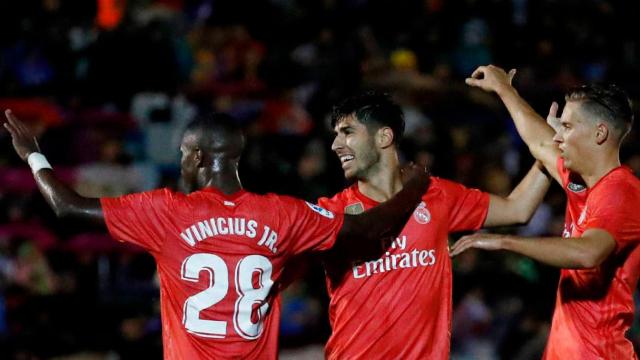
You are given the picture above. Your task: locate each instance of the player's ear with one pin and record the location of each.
(198, 158)
(384, 137)
(602, 133)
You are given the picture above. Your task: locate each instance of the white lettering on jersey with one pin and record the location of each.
(188, 237)
(320, 210)
(389, 262)
(206, 229)
(400, 242)
(213, 227)
(268, 239)
(222, 226)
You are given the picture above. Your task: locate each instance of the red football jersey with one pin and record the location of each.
(399, 305)
(594, 307)
(220, 259)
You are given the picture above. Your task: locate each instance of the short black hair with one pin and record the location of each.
(374, 110)
(218, 133)
(607, 102)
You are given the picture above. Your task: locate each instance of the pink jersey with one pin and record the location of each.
(398, 306)
(594, 307)
(220, 260)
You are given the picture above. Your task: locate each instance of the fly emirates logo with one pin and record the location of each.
(404, 259)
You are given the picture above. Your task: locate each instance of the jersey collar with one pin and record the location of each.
(217, 191)
(362, 197)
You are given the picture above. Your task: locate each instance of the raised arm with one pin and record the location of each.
(388, 218)
(64, 201)
(519, 206)
(585, 252)
(534, 130)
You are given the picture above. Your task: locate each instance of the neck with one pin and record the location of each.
(600, 168)
(227, 183)
(383, 180)
(223, 176)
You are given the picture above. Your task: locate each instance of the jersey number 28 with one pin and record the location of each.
(250, 299)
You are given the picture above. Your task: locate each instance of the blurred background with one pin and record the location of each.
(108, 86)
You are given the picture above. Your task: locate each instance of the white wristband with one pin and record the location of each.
(37, 162)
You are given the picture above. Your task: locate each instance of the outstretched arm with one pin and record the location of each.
(519, 206)
(534, 130)
(389, 217)
(64, 201)
(585, 252)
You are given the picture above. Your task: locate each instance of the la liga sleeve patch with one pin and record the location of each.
(320, 210)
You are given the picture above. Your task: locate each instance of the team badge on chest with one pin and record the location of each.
(576, 188)
(354, 209)
(422, 214)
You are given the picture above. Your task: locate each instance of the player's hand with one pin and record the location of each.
(22, 138)
(477, 241)
(415, 176)
(491, 78)
(552, 119)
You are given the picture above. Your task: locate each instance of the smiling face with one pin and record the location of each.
(576, 138)
(355, 147)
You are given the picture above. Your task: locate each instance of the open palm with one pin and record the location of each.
(22, 138)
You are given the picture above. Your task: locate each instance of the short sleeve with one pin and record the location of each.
(468, 208)
(139, 218)
(330, 204)
(614, 212)
(313, 228)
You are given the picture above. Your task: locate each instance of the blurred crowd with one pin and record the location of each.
(108, 86)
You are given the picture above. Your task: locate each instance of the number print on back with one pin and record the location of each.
(250, 304)
(250, 298)
(218, 287)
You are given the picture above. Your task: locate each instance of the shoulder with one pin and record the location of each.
(159, 201)
(339, 200)
(454, 194)
(625, 177)
(440, 186)
(276, 202)
(615, 196)
(292, 207)
(167, 195)
(156, 195)
(619, 186)
(166, 192)
(275, 198)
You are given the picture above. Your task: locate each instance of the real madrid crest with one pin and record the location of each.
(422, 214)
(354, 209)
